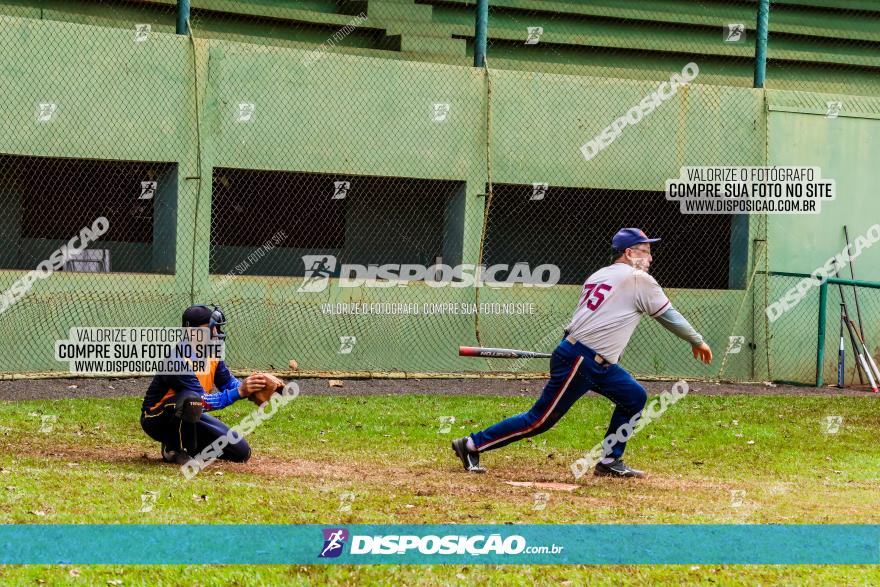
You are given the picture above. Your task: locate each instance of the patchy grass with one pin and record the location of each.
(720, 459)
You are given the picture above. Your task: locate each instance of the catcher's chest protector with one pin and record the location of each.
(206, 379)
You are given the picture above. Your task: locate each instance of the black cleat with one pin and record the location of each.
(469, 458)
(616, 468)
(174, 456)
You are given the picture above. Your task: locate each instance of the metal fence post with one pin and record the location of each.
(761, 42)
(481, 30)
(182, 17)
(820, 348)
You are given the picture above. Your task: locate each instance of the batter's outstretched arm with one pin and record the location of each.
(674, 322)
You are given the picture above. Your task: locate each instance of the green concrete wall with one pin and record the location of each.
(846, 148)
(817, 46)
(357, 115)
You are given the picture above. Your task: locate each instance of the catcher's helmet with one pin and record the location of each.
(202, 315)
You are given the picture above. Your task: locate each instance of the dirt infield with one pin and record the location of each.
(43, 389)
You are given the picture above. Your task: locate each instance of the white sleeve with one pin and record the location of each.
(650, 298)
(675, 323)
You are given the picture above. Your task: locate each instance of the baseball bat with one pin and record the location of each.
(852, 339)
(861, 328)
(841, 356)
(869, 356)
(852, 274)
(872, 373)
(850, 326)
(478, 351)
(872, 362)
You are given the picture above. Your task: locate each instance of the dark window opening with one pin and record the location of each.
(573, 227)
(44, 202)
(361, 220)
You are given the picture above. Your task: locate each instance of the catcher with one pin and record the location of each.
(173, 409)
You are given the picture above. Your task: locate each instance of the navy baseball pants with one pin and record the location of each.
(178, 435)
(573, 372)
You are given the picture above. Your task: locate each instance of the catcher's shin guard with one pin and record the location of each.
(188, 409)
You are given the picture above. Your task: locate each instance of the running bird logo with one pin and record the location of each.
(334, 541)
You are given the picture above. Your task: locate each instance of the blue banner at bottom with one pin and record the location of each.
(440, 544)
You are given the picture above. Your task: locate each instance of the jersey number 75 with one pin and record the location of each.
(593, 295)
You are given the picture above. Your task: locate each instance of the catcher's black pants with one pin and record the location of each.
(177, 435)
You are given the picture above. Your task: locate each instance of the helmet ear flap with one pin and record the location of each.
(218, 320)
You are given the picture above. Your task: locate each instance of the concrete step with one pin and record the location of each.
(426, 45)
(383, 10)
(419, 29)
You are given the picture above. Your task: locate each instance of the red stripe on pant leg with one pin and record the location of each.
(547, 412)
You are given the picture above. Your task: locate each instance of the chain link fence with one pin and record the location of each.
(333, 174)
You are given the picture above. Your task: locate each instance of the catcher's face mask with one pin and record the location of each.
(217, 321)
(210, 316)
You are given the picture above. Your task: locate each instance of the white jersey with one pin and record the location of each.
(612, 302)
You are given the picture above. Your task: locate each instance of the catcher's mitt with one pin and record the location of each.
(270, 385)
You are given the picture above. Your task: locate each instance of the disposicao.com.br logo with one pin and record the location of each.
(452, 544)
(320, 268)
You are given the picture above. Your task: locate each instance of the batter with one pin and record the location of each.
(612, 302)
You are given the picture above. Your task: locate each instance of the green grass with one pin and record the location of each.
(96, 463)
